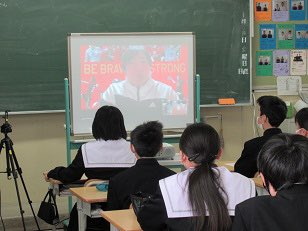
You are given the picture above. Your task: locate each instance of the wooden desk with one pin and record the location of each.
(85, 197)
(123, 220)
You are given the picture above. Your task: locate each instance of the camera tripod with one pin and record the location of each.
(13, 168)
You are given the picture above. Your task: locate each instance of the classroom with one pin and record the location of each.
(37, 50)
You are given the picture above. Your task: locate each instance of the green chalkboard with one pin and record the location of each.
(33, 43)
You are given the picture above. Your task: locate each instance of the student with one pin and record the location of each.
(265, 8)
(283, 166)
(300, 6)
(258, 7)
(101, 159)
(301, 121)
(264, 35)
(273, 112)
(201, 198)
(146, 141)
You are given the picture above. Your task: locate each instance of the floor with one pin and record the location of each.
(15, 224)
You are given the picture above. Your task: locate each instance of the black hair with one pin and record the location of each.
(129, 54)
(201, 144)
(274, 108)
(108, 124)
(283, 160)
(301, 118)
(147, 138)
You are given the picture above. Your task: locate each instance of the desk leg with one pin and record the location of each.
(113, 228)
(82, 217)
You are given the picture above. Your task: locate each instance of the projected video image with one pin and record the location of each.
(154, 77)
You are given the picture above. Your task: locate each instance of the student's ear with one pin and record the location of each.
(271, 189)
(219, 154)
(183, 157)
(132, 148)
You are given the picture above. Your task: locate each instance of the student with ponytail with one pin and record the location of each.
(204, 196)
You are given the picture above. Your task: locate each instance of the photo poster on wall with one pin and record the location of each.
(263, 10)
(285, 34)
(264, 65)
(297, 10)
(298, 62)
(267, 36)
(281, 62)
(301, 36)
(280, 12)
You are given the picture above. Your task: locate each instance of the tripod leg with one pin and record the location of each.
(9, 154)
(24, 186)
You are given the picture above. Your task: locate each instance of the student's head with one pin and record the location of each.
(136, 64)
(283, 162)
(108, 124)
(301, 120)
(199, 147)
(273, 111)
(147, 139)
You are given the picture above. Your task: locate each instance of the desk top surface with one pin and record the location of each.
(89, 194)
(258, 182)
(124, 220)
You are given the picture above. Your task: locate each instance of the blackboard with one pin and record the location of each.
(33, 43)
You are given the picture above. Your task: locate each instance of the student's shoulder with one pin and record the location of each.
(253, 142)
(255, 204)
(167, 171)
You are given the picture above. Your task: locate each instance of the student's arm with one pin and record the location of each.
(112, 198)
(246, 164)
(153, 216)
(71, 173)
(238, 222)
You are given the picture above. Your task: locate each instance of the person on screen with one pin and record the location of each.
(103, 158)
(277, 8)
(138, 84)
(270, 35)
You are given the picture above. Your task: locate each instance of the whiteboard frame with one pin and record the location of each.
(70, 35)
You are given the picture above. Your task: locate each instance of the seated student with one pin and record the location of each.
(283, 166)
(101, 159)
(273, 112)
(301, 121)
(146, 141)
(201, 198)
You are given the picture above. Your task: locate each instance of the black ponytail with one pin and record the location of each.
(201, 143)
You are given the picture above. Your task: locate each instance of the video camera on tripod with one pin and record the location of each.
(13, 168)
(6, 127)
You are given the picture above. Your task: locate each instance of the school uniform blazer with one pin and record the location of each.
(247, 163)
(92, 155)
(288, 210)
(144, 177)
